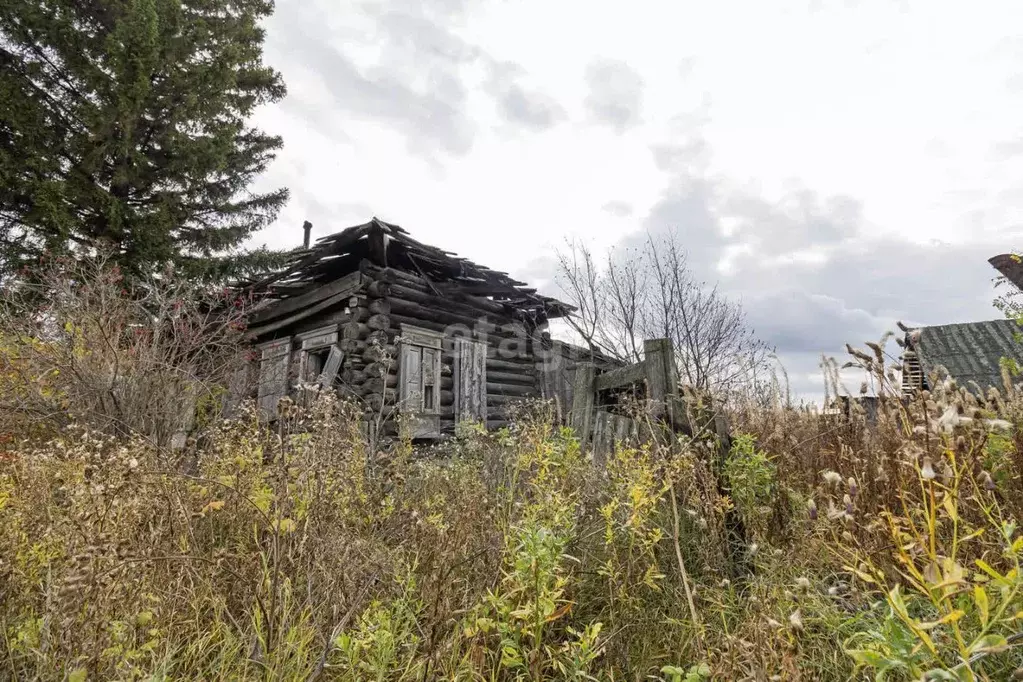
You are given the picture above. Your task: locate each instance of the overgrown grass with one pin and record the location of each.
(886, 551)
(291, 554)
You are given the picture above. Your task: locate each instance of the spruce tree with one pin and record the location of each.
(124, 124)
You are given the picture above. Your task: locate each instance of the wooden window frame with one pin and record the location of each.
(419, 376)
(314, 340)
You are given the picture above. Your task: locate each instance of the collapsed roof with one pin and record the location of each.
(388, 245)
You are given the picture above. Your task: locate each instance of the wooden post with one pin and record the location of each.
(583, 401)
(662, 379)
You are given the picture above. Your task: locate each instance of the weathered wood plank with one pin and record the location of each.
(622, 376)
(273, 377)
(524, 377)
(598, 435)
(511, 389)
(494, 399)
(347, 284)
(440, 310)
(622, 429)
(256, 332)
(470, 380)
(407, 279)
(524, 365)
(583, 402)
(331, 367)
(660, 375)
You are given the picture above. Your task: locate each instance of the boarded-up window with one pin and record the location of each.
(470, 380)
(419, 379)
(273, 376)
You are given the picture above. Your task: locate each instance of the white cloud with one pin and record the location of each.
(808, 152)
(615, 94)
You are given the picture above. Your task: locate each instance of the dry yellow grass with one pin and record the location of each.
(299, 553)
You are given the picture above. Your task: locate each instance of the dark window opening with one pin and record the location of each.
(628, 401)
(316, 359)
(428, 397)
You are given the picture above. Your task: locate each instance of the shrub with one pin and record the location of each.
(80, 344)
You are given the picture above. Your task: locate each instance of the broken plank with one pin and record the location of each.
(621, 376)
(349, 283)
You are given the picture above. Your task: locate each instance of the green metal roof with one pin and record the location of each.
(971, 351)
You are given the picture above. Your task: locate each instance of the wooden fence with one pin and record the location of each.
(597, 413)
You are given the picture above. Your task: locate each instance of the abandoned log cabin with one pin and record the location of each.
(408, 329)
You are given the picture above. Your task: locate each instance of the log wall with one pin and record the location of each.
(405, 298)
(369, 320)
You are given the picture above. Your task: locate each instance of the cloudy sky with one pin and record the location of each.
(836, 165)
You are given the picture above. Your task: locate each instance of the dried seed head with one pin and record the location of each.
(803, 583)
(796, 621)
(947, 473)
(848, 504)
(811, 507)
(987, 481)
(832, 477)
(853, 488)
(927, 470)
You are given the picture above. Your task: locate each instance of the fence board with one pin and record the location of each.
(603, 431)
(622, 376)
